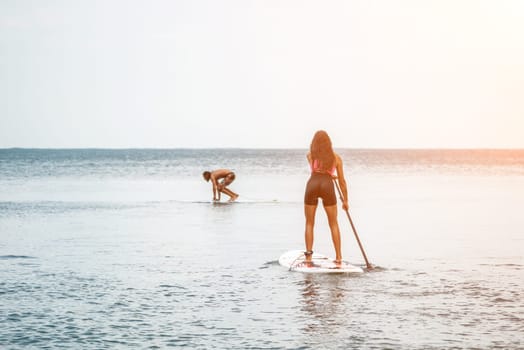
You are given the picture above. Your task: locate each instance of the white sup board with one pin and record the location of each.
(294, 261)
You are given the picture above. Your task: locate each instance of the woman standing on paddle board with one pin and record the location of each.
(324, 162)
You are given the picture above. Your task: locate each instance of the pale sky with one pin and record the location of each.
(240, 73)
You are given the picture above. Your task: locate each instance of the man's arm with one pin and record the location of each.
(215, 191)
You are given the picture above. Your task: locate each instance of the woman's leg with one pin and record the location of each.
(309, 211)
(331, 212)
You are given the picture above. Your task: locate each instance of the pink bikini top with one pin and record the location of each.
(315, 168)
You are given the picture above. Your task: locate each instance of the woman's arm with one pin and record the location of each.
(342, 181)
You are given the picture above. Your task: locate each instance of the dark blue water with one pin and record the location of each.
(123, 248)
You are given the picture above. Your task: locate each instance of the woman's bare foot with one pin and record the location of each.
(232, 199)
(306, 263)
(308, 257)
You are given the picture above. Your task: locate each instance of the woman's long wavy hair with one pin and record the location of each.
(322, 150)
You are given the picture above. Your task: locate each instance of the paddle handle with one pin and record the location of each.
(368, 265)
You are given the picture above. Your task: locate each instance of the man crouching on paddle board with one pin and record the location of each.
(323, 162)
(227, 177)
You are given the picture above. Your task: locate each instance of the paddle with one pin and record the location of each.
(368, 265)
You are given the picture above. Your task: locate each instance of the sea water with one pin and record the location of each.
(109, 249)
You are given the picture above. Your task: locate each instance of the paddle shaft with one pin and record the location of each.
(368, 265)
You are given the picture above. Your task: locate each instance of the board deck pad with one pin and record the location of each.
(294, 261)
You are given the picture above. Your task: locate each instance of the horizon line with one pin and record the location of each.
(274, 148)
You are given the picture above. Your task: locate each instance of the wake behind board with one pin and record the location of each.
(294, 261)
